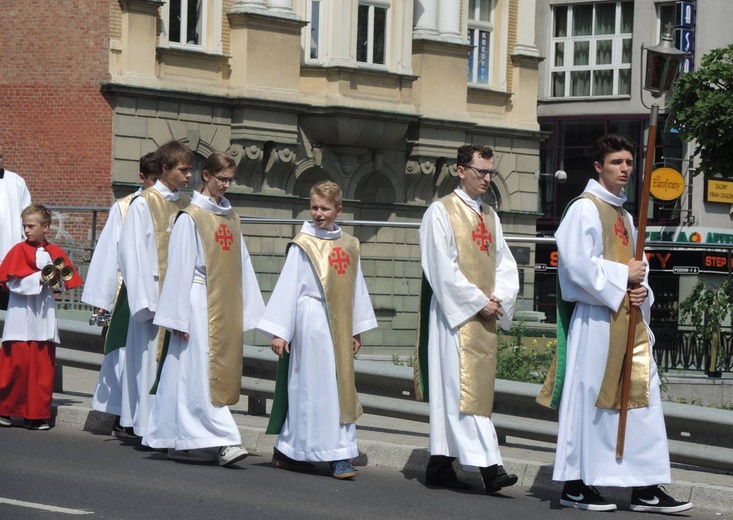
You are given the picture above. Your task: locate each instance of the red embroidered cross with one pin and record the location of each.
(482, 237)
(224, 237)
(339, 260)
(621, 232)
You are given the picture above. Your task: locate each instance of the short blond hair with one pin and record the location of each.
(329, 190)
(37, 209)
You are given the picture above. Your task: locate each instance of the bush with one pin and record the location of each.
(516, 362)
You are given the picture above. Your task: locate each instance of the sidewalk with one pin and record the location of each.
(401, 445)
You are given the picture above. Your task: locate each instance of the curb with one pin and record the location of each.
(411, 461)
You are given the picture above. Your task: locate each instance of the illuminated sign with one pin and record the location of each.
(719, 191)
(676, 262)
(667, 184)
(696, 235)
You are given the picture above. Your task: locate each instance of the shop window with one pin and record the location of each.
(371, 32)
(591, 50)
(479, 36)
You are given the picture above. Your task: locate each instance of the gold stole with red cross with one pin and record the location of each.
(163, 212)
(474, 237)
(222, 245)
(618, 247)
(335, 263)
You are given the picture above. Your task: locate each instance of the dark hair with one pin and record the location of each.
(611, 143)
(37, 209)
(465, 153)
(148, 165)
(173, 153)
(215, 163)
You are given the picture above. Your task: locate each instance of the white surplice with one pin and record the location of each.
(138, 261)
(100, 290)
(183, 416)
(297, 313)
(586, 444)
(470, 438)
(14, 198)
(31, 314)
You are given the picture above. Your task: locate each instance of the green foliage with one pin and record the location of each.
(707, 304)
(516, 362)
(409, 361)
(702, 110)
(707, 308)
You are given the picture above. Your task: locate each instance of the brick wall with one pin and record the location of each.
(55, 125)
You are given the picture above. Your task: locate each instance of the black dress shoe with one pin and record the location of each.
(440, 473)
(282, 461)
(495, 477)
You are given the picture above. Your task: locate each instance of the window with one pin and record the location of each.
(591, 50)
(371, 32)
(185, 22)
(315, 28)
(665, 15)
(479, 36)
(192, 24)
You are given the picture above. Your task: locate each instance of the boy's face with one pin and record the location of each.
(176, 176)
(324, 213)
(35, 230)
(615, 171)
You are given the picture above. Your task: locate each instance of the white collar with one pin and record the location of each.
(311, 229)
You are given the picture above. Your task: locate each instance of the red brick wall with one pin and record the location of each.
(55, 125)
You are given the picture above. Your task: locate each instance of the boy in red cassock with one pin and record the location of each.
(28, 352)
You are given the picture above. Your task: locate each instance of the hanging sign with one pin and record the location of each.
(667, 184)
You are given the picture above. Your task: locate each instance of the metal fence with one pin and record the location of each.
(392, 275)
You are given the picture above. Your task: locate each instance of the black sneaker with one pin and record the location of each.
(576, 494)
(653, 499)
(124, 432)
(36, 424)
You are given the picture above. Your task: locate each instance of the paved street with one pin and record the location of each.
(66, 472)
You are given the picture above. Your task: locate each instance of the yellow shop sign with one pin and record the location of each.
(667, 184)
(720, 191)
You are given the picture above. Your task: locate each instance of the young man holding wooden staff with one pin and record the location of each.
(600, 280)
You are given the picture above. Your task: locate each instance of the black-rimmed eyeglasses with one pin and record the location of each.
(480, 171)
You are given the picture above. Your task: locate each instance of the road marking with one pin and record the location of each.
(44, 507)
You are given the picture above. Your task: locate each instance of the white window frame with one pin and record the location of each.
(319, 33)
(210, 39)
(570, 41)
(478, 26)
(373, 4)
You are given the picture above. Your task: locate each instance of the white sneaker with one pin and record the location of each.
(228, 455)
(202, 455)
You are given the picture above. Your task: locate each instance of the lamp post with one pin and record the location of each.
(662, 65)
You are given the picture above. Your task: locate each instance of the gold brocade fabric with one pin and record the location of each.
(335, 263)
(475, 241)
(124, 204)
(163, 213)
(221, 242)
(618, 247)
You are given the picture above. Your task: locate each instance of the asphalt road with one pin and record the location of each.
(66, 473)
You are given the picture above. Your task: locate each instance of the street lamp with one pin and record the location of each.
(662, 65)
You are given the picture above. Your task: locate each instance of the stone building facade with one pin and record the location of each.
(373, 94)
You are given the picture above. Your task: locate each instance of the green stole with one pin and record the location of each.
(115, 335)
(476, 246)
(617, 247)
(335, 264)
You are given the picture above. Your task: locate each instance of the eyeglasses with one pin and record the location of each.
(225, 180)
(481, 172)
